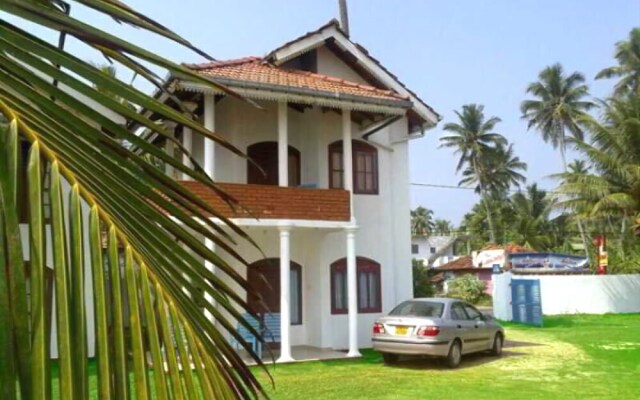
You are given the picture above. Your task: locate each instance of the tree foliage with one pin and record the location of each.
(117, 199)
(466, 287)
(422, 286)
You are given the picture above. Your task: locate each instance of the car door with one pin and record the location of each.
(481, 332)
(464, 327)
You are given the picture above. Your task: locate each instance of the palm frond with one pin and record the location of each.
(153, 230)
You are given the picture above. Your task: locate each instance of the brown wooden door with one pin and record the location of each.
(264, 279)
(264, 294)
(265, 154)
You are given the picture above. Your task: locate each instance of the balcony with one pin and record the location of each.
(275, 202)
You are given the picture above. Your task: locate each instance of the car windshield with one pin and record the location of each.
(418, 309)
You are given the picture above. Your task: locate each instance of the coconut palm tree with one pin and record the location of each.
(498, 172)
(628, 69)
(558, 110)
(114, 190)
(473, 138)
(422, 222)
(442, 226)
(530, 218)
(612, 187)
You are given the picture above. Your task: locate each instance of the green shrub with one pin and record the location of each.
(422, 286)
(467, 287)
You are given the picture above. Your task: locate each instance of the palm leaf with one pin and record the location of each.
(163, 259)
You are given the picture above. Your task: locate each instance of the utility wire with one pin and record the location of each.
(437, 186)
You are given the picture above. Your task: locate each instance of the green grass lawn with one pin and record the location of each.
(571, 357)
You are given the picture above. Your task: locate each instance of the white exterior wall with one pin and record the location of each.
(588, 294)
(329, 64)
(383, 219)
(574, 294)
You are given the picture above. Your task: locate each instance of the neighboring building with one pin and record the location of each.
(332, 138)
(480, 263)
(462, 266)
(496, 256)
(433, 250)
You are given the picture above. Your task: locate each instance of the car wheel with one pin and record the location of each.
(498, 341)
(390, 358)
(455, 355)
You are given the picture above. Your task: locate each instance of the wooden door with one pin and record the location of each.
(265, 155)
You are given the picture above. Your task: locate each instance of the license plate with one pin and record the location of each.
(402, 330)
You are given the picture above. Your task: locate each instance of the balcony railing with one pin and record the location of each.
(275, 202)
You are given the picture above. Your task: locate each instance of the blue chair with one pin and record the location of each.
(247, 336)
(272, 327)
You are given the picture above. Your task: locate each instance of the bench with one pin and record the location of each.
(271, 332)
(247, 336)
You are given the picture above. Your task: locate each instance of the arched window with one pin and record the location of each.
(368, 282)
(265, 154)
(365, 167)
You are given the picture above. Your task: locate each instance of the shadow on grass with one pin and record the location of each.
(468, 361)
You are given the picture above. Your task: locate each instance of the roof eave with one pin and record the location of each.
(317, 38)
(249, 89)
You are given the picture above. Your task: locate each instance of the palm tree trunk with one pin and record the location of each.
(583, 235)
(492, 232)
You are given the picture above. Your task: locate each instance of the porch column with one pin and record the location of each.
(352, 292)
(283, 145)
(209, 169)
(347, 155)
(209, 145)
(169, 147)
(285, 309)
(187, 142)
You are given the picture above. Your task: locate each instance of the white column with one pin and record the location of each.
(187, 143)
(209, 145)
(352, 292)
(285, 295)
(209, 169)
(347, 155)
(283, 145)
(169, 147)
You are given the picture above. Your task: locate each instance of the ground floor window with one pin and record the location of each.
(368, 282)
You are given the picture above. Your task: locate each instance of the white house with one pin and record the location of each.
(433, 250)
(333, 207)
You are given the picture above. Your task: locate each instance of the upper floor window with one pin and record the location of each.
(365, 167)
(432, 250)
(415, 249)
(265, 154)
(368, 284)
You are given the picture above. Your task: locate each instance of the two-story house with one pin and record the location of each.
(331, 209)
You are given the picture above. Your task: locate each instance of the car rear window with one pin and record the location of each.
(418, 309)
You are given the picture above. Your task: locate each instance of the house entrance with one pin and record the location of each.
(264, 296)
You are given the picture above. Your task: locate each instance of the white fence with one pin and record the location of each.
(573, 294)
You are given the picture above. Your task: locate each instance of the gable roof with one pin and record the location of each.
(356, 57)
(244, 71)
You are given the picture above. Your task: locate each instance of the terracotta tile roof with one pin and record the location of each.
(464, 262)
(336, 24)
(274, 202)
(509, 248)
(255, 70)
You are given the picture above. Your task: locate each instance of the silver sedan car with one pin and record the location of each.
(440, 327)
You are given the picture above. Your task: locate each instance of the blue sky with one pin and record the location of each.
(450, 52)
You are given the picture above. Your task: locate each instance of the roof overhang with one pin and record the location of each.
(263, 91)
(332, 31)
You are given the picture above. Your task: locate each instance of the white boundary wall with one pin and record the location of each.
(573, 294)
